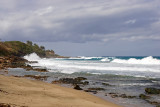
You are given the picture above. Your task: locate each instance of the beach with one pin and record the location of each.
(46, 79)
(21, 92)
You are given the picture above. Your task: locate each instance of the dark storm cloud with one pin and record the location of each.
(79, 21)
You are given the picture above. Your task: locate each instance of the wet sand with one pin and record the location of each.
(19, 92)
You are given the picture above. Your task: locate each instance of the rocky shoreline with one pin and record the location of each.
(78, 83)
(18, 62)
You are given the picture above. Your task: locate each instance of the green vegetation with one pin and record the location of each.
(17, 48)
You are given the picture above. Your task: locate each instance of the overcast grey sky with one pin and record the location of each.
(84, 27)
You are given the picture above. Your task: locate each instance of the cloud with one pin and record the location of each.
(79, 21)
(44, 11)
(130, 21)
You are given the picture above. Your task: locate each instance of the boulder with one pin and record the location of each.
(144, 97)
(77, 87)
(152, 91)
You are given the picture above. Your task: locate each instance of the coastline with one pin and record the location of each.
(103, 88)
(32, 93)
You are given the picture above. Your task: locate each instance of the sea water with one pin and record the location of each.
(128, 75)
(129, 66)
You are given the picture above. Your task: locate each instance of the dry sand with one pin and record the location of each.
(31, 93)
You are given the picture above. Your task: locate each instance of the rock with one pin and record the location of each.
(131, 96)
(37, 77)
(73, 81)
(4, 105)
(154, 103)
(94, 92)
(114, 95)
(106, 84)
(3, 91)
(41, 70)
(123, 96)
(152, 91)
(144, 97)
(80, 78)
(77, 87)
(96, 89)
(31, 62)
(85, 83)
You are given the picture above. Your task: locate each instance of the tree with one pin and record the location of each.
(42, 47)
(29, 43)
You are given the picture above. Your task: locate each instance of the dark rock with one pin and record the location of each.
(144, 97)
(92, 91)
(154, 103)
(80, 78)
(41, 70)
(96, 89)
(73, 81)
(152, 91)
(85, 83)
(28, 65)
(131, 96)
(123, 96)
(37, 77)
(3, 91)
(31, 62)
(4, 105)
(77, 87)
(114, 95)
(106, 84)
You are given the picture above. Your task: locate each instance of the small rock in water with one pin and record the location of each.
(80, 78)
(106, 84)
(113, 95)
(37, 77)
(74, 81)
(94, 92)
(77, 87)
(154, 103)
(97, 89)
(152, 91)
(144, 97)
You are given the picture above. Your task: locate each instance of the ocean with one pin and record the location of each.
(128, 75)
(137, 66)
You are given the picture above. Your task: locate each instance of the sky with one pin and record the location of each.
(84, 27)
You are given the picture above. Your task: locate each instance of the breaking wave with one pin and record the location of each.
(147, 66)
(145, 61)
(32, 57)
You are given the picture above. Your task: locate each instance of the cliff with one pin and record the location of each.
(17, 48)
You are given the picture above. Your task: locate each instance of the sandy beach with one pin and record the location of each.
(20, 92)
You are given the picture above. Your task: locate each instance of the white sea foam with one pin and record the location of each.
(145, 61)
(105, 60)
(136, 84)
(117, 66)
(32, 57)
(83, 57)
